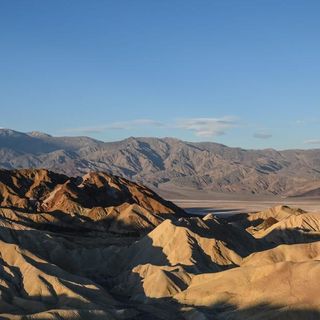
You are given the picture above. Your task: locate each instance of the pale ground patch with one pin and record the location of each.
(202, 207)
(202, 202)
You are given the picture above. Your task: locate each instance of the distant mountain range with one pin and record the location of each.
(168, 163)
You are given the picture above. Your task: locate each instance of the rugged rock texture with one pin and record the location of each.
(103, 201)
(102, 247)
(168, 163)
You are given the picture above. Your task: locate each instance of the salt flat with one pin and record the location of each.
(228, 206)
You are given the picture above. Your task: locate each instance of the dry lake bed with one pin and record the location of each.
(227, 207)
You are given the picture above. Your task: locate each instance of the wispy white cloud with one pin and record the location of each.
(312, 141)
(207, 127)
(121, 125)
(304, 122)
(201, 127)
(262, 135)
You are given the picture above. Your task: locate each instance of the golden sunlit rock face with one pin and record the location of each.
(102, 247)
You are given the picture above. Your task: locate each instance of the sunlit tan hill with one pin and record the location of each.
(96, 200)
(281, 224)
(282, 290)
(102, 247)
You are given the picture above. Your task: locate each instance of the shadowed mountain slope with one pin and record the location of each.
(168, 163)
(103, 201)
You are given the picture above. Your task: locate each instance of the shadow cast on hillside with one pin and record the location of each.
(140, 308)
(289, 236)
(171, 309)
(263, 311)
(159, 309)
(63, 223)
(276, 236)
(62, 307)
(69, 308)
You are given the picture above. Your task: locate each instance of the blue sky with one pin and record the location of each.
(242, 73)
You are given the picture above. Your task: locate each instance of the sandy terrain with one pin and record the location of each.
(102, 247)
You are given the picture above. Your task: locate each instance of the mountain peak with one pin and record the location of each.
(39, 134)
(5, 132)
(168, 163)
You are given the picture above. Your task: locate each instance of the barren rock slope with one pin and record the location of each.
(102, 247)
(168, 163)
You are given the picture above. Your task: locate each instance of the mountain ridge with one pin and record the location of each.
(168, 163)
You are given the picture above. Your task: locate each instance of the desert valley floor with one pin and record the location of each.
(229, 207)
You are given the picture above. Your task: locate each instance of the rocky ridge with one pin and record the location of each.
(71, 249)
(169, 164)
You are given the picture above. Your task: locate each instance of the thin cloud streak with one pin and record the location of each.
(121, 125)
(207, 127)
(201, 127)
(262, 135)
(312, 141)
(303, 122)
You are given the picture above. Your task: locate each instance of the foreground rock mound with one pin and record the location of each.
(95, 201)
(101, 247)
(281, 224)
